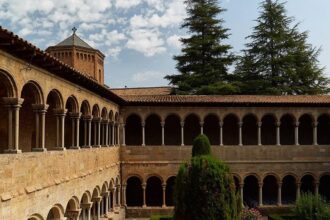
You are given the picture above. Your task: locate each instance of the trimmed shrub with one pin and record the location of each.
(201, 146)
(205, 190)
(312, 207)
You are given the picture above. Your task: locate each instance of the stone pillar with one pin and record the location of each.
(260, 194)
(86, 211)
(115, 201)
(298, 190)
(164, 195)
(143, 134)
(316, 189)
(113, 133)
(163, 132)
(98, 216)
(106, 200)
(99, 133)
(40, 111)
(118, 140)
(182, 133)
(296, 134)
(119, 195)
(279, 194)
(95, 133)
(62, 119)
(72, 132)
(144, 186)
(13, 105)
(241, 190)
(106, 133)
(240, 140)
(315, 142)
(201, 123)
(221, 133)
(89, 122)
(60, 131)
(42, 130)
(124, 195)
(259, 133)
(77, 131)
(124, 134)
(278, 133)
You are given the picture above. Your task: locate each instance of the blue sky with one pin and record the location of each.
(140, 37)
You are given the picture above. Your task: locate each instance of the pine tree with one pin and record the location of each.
(204, 62)
(278, 60)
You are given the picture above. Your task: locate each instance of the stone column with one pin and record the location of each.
(115, 201)
(241, 190)
(278, 135)
(72, 132)
(98, 209)
(13, 105)
(124, 195)
(118, 140)
(221, 133)
(182, 133)
(279, 194)
(95, 133)
(164, 195)
(240, 140)
(62, 119)
(60, 125)
(106, 196)
(143, 134)
(89, 122)
(144, 186)
(86, 208)
(163, 132)
(296, 134)
(99, 133)
(106, 133)
(124, 134)
(40, 111)
(315, 142)
(260, 194)
(42, 131)
(113, 134)
(77, 131)
(298, 190)
(259, 133)
(119, 195)
(316, 189)
(201, 123)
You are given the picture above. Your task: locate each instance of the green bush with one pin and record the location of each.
(161, 217)
(312, 207)
(205, 190)
(201, 146)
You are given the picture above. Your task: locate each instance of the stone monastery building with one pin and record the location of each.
(72, 148)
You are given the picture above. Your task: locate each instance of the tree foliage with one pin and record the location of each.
(204, 188)
(205, 58)
(312, 207)
(278, 60)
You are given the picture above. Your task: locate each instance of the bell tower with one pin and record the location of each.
(81, 56)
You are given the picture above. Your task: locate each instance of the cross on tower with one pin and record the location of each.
(74, 29)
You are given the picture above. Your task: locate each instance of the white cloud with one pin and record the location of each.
(125, 4)
(174, 41)
(147, 76)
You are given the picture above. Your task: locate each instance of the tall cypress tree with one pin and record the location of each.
(205, 58)
(278, 60)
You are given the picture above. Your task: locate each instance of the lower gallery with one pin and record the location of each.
(71, 148)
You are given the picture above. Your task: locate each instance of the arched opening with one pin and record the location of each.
(95, 125)
(323, 128)
(251, 191)
(72, 109)
(36, 217)
(211, 129)
(31, 93)
(55, 214)
(289, 190)
(54, 101)
(169, 191)
(111, 118)
(104, 198)
(230, 130)
(250, 130)
(307, 184)
(192, 128)
(116, 129)
(325, 187)
(154, 192)
(287, 130)
(7, 89)
(134, 192)
(72, 210)
(103, 131)
(133, 129)
(269, 190)
(153, 130)
(172, 130)
(84, 123)
(268, 130)
(95, 204)
(305, 130)
(85, 200)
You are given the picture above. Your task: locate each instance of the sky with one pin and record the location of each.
(140, 37)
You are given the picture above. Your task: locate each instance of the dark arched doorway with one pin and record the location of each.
(154, 192)
(133, 129)
(134, 192)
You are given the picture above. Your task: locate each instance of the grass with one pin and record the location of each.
(161, 217)
(289, 216)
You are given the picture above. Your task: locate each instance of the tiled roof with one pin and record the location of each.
(74, 40)
(227, 100)
(142, 91)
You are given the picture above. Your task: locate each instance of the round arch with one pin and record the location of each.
(270, 190)
(230, 129)
(153, 130)
(172, 130)
(134, 192)
(211, 128)
(133, 127)
(192, 128)
(306, 129)
(307, 183)
(8, 86)
(55, 213)
(85, 108)
(36, 217)
(169, 191)
(154, 191)
(289, 189)
(72, 208)
(268, 129)
(250, 129)
(251, 190)
(323, 128)
(287, 129)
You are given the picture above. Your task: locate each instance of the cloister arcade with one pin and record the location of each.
(270, 189)
(34, 121)
(229, 129)
(93, 205)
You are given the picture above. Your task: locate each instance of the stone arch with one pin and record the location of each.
(55, 213)
(287, 129)
(153, 130)
(169, 191)
(289, 189)
(270, 189)
(33, 100)
(251, 190)
(85, 108)
(307, 183)
(211, 128)
(8, 86)
(230, 129)
(268, 129)
(95, 198)
(133, 127)
(250, 129)
(111, 117)
(72, 107)
(96, 111)
(154, 191)
(104, 114)
(72, 210)
(104, 198)
(36, 217)
(192, 128)
(323, 128)
(86, 198)
(172, 130)
(306, 129)
(134, 192)
(324, 188)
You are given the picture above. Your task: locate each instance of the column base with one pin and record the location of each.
(96, 146)
(12, 151)
(86, 147)
(144, 206)
(39, 149)
(75, 148)
(59, 149)
(164, 206)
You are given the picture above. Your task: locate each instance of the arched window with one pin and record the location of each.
(153, 130)
(133, 129)
(250, 130)
(230, 130)
(192, 129)
(134, 192)
(251, 191)
(172, 130)
(289, 190)
(154, 192)
(212, 129)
